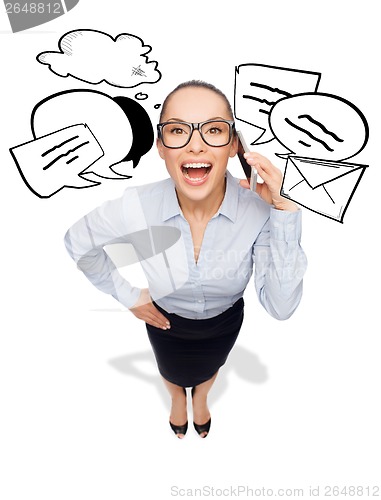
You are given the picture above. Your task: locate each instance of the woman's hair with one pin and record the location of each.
(196, 84)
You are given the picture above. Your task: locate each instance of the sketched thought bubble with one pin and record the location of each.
(95, 57)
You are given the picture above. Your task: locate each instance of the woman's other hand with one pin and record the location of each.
(146, 311)
(269, 189)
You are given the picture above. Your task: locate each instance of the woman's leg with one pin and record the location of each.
(201, 413)
(178, 414)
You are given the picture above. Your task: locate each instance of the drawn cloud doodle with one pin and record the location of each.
(95, 57)
(80, 137)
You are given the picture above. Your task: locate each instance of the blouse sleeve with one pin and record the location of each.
(280, 263)
(86, 239)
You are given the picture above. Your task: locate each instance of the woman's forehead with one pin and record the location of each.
(196, 104)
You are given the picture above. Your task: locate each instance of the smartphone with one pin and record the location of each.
(250, 172)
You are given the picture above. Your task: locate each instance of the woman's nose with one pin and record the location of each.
(196, 143)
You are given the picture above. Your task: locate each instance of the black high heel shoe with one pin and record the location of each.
(201, 428)
(180, 429)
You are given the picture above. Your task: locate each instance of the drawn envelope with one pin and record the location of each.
(323, 186)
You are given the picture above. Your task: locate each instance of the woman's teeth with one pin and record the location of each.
(196, 165)
(196, 171)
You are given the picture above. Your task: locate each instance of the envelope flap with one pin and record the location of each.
(319, 172)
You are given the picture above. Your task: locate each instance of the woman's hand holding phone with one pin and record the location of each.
(269, 189)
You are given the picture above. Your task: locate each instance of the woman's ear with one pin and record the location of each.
(160, 148)
(234, 146)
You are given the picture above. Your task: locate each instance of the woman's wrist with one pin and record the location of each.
(287, 205)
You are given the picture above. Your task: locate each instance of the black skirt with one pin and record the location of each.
(193, 350)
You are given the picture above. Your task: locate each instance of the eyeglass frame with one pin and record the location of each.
(197, 126)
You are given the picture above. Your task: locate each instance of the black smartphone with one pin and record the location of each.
(250, 172)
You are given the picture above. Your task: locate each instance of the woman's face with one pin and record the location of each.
(209, 163)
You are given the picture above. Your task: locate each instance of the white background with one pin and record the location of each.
(84, 414)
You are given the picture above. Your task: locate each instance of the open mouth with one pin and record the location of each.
(196, 173)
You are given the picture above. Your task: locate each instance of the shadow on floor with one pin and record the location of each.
(241, 361)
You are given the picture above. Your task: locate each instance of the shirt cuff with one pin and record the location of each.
(128, 298)
(284, 225)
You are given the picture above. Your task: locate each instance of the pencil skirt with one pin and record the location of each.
(193, 350)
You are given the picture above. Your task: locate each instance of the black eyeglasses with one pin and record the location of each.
(216, 133)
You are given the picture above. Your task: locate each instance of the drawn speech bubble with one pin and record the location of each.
(319, 125)
(119, 126)
(105, 118)
(259, 87)
(57, 160)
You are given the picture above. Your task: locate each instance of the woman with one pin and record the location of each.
(193, 317)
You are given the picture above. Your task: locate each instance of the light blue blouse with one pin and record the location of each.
(146, 224)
